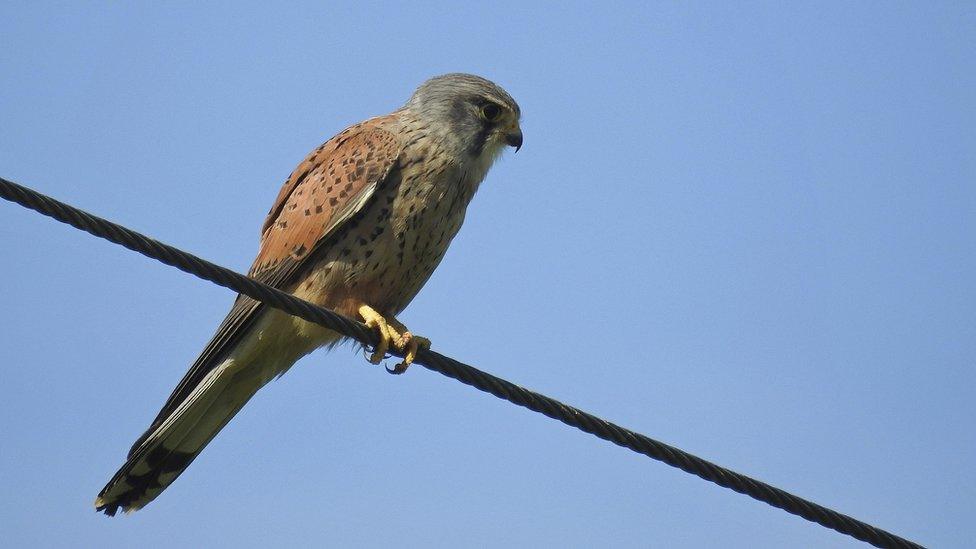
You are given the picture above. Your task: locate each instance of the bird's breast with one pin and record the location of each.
(386, 254)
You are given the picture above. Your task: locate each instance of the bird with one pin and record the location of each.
(358, 227)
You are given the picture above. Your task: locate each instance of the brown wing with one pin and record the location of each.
(327, 189)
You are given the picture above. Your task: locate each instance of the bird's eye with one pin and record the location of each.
(491, 112)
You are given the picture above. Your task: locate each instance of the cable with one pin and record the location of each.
(451, 368)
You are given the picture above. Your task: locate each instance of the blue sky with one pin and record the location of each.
(748, 230)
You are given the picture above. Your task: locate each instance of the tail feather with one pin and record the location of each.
(168, 451)
(176, 438)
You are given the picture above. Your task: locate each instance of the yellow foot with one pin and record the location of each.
(392, 332)
(406, 342)
(375, 320)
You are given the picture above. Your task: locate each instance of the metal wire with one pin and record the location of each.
(451, 368)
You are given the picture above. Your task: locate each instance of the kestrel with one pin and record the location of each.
(358, 227)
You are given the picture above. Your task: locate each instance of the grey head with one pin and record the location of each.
(476, 115)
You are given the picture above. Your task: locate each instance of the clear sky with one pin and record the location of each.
(748, 230)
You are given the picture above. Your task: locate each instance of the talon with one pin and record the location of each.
(376, 320)
(392, 333)
(412, 344)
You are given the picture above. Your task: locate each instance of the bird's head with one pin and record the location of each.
(476, 115)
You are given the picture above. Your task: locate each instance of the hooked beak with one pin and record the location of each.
(514, 139)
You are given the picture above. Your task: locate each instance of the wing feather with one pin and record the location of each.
(334, 183)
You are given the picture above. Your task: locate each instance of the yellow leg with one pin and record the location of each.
(375, 320)
(392, 332)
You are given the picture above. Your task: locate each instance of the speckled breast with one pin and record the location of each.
(388, 251)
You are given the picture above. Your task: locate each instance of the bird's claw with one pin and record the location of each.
(376, 320)
(392, 333)
(411, 344)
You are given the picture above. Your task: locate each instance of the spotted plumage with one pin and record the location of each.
(358, 227)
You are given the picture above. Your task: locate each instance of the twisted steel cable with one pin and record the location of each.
(451, 368)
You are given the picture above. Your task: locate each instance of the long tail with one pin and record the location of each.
(208, 398)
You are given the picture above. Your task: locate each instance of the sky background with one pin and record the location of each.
(748, 230)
